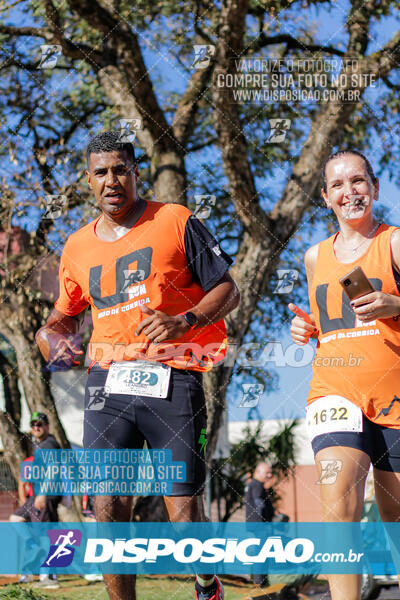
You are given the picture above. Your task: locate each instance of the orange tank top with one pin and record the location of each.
(359, 361)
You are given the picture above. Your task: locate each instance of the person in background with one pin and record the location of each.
(259, 507)
(34, 508)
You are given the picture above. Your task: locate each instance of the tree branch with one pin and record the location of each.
(231, 139)
(12, 61)
(133, 78)
(43, 32)
(291, 43)
(382, 62)
(392, 86)
(73, 50)
(326, 128)
(9, 6)
(200, 146)
(202, 34)
(83, 117)
(184, 119)
(358, 23)
(121, 95)
(127, 83)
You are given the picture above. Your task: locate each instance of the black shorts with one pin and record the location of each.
(382, 444)
(177, 422)
(31, 514)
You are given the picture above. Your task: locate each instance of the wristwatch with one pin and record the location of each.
(191, 319)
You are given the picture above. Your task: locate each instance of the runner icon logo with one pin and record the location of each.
(204, 205)
(286, 281)
(50, 54)
(278, 130)
(55, 204)
(97, 398)
(202, 55)
(329, 471)
(132, 277)
(128, 129)
(252, 393)
(61, 552)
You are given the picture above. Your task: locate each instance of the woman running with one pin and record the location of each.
(353, 410)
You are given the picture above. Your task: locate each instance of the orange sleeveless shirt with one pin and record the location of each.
(359, 361)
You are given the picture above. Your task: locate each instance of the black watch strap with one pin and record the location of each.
(191, 319)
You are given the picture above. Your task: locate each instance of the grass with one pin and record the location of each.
(149, 587)
(17, 593)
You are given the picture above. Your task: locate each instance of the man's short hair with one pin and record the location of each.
(108, 141)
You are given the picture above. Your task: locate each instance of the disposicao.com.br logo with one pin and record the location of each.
(191, 550)
(136, 547)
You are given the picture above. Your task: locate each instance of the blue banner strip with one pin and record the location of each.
(318, 548)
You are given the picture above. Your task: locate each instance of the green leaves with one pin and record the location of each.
(13, 592)
(229, 476)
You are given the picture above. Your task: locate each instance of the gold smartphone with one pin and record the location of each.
(356, 284)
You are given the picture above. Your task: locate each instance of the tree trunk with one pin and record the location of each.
(11, 389)
(169, 177)
(16, 444)
(167, 165)
(19, 327)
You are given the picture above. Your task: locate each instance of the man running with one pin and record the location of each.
(159, 288)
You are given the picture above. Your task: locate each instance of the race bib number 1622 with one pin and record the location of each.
(333, 413)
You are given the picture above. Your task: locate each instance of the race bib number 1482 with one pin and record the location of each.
(141, 378)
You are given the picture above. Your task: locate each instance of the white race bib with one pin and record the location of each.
(332, 413)
(138, 377)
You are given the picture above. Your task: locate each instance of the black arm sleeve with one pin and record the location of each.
(206, 260)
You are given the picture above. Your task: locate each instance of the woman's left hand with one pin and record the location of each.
(376, 305)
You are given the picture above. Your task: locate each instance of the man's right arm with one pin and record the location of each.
(55, 338)
(58, 340)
